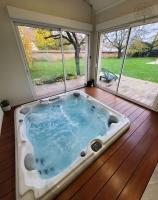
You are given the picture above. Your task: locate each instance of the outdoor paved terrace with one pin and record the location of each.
(139, 90)
(58, 87)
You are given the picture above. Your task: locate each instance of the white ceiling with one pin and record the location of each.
(101, 5)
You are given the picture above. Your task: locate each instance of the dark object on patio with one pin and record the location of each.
(107, 75)
(90, 83)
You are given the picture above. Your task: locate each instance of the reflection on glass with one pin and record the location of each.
(112, 51)
(139, 80)
(43, 54)
(75, 58)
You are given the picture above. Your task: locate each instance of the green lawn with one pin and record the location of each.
(134, 67)
(46, 70)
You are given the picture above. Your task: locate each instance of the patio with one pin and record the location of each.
(58, 87)
(139, 90)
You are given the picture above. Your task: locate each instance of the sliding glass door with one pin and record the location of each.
(139, 80)
(111, 56)
(75, 58)
(131, 55)
(56, 60)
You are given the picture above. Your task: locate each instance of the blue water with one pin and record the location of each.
(61, 130)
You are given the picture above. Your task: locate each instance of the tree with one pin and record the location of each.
(143, 43)
(77, 40)
(152, 45)
(116, 39)
(137, 46)
(27, 43)
(143, 40)
(40, 41)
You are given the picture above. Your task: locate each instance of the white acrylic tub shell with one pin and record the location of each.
(29, 185)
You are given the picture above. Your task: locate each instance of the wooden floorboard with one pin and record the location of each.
(121, 172)
(126, 169)
(110, 166)
(148, 163)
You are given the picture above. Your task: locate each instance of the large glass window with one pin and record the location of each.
(112, 52)
(56, 60)
(139, 67)
(139, 80)
(75, 58)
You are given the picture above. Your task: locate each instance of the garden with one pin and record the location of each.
(140, 67)
(141, 54)
(47, 72)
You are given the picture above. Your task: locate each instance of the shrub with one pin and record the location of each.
(70, 76)
(4, 103)
(49, 81)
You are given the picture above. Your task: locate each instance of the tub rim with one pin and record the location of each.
(70, 173)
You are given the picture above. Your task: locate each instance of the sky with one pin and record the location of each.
(146, 32)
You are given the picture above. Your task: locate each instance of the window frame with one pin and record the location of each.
(16, 23)
(117, 28)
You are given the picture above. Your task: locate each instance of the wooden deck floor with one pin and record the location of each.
(122, 172)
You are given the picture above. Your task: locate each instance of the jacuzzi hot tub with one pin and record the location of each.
(57, 138)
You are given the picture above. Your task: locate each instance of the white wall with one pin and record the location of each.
(14, 85)
(71, 9)
(13, 82)
(130, 19)
(123, 9)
